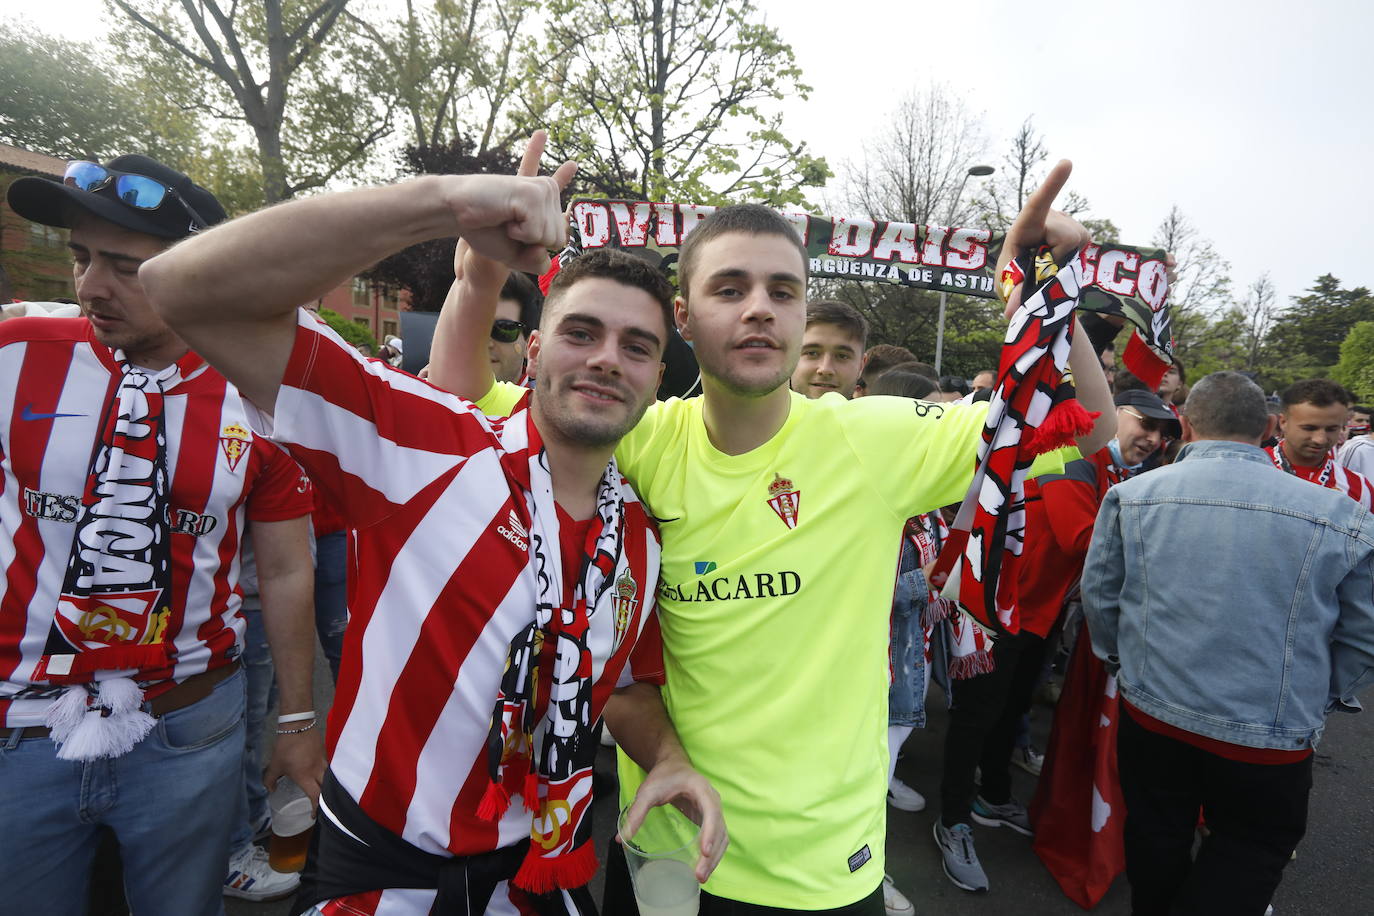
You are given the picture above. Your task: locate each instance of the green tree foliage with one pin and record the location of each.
(1308, 339)
(267, 67)
(672, 100)
(1356, 367)
(350, 331)
(1201, 294)
(72, 99)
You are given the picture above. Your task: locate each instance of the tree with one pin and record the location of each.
(1307, 340)
(1356, 367)
(70, 99)
(352, 332)
(914, 169)
(265, 66)
(426, 269)
(671, 100)
(1202, 292)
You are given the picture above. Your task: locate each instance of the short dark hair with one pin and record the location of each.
(1319, 392)
(1182, 372)
(1128, 381)
(920, 368)
(625, 269)
(521, 290)
(881, 357)
(1362, 408)
(841, 315)
(1226, 405)
(750, 219)
(902, 383)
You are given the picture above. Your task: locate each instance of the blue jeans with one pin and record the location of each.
(331, 595)
(169, 802)
(260, 679)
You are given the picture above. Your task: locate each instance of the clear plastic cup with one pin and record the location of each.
(293, 817)
(662, 858)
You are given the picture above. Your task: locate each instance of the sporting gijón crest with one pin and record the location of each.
(784, 499)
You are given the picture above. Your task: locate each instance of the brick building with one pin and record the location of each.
(34, 256)
(40, 266)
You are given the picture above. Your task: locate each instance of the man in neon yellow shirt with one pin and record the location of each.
(780, 519)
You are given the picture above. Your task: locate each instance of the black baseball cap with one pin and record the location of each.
(1148, 404)
(54, 203)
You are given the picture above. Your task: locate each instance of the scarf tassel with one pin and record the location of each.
(1066, 421)
(543, 874)
(495, 801)
(531, 793)
(107, 725)
(964, 667)
(936, 610)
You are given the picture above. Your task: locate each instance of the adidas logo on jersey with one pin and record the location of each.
(516, 533)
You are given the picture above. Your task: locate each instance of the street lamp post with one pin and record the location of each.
(977, 171)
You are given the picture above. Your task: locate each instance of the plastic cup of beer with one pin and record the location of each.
(662, 858)
(293, 817)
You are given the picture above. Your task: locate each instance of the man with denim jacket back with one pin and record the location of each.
(1238, 604)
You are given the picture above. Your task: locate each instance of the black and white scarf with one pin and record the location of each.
(114, 609)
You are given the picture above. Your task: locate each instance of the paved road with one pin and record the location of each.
(1333, 875)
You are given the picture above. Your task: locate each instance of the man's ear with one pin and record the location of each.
(532, 349)
(1189, 434)
(680, 317)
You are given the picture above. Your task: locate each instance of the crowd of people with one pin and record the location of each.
(524, 544)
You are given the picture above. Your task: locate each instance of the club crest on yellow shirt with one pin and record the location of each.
(234, 441)
(785, 499)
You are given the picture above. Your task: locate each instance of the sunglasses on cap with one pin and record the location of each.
(138, 191)
(503, 330)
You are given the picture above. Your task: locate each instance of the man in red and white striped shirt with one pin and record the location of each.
(1314, 414)
(504, 570)
(166, 784)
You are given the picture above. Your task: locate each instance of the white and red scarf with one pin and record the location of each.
(969, 644)
(1326, 477)
(1033, 410)
(548, 758)
(114, 610)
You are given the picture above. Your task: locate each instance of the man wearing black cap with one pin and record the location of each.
(1060, 512)
(130, 473)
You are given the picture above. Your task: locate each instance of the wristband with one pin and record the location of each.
(296, 717)
(297, 731)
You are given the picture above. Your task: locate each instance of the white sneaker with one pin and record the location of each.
(251, 878)
(904, 798)
(894, 901)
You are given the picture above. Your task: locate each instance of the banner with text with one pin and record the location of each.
(1123, 281)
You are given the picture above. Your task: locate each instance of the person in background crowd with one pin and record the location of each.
(1313, 414)
(1108, 359)
(1171, 385)
(477, 541)
(988, 707)
(130, 471)
(1230, 741)
(902, 382)
(517, 313)
(983, 378)
(1357, 453)
(832, 350)
(951, 388)
(878, 359)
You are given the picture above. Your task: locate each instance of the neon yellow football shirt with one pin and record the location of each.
(778, 573)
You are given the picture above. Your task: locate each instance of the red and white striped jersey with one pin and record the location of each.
(61, 378)
(1328, 474)
(441, 580)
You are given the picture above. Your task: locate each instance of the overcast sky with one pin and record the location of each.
(1256, 118)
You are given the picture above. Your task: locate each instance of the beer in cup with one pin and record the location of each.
(293, 817)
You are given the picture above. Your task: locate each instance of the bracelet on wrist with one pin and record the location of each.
(296, 717)
(296, 731)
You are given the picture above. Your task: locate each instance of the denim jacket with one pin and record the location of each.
(906, 695)
(1238, 600)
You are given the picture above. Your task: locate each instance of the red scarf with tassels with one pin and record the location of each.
(1033, 410)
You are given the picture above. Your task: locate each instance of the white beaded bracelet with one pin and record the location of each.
(296, 717)
(297, 731)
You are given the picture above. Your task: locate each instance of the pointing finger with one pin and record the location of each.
(534, 151)
(1029, 228)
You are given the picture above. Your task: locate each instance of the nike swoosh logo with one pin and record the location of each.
(29, 414)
